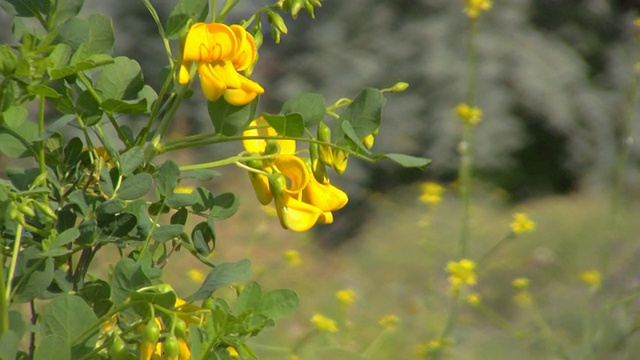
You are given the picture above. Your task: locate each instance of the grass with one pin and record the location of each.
(396, 266)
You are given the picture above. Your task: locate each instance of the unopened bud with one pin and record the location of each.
(399, 87)
(340, 159)
(276, 21)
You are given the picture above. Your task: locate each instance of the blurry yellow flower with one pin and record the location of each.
(324, 323)
(195, 275)
(346, 296)
(233, 353)
(522, 224)
(389, 321)
(470, 115)
(593, 278)
(294, 357)
(220, 52)
(473, 8)
(521, 283)
(473, 299)
(461, 273)
(292, 257)
(523, 298)
(636, 22)
(431, 193)
(183, 190)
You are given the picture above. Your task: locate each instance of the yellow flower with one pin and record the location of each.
(220, 51)
(324, 323)
(461, 273)
(473, 8)
(470, 115)
(389, 321)
(521, 283)
(593, 278)
(260, 127)
(183, 190)
(431, 193)
(346, 296)
(233, 353)
(473, 299)
(636, 22)
(195, 275)
(292, 257)
(522, 223)
(294, 357)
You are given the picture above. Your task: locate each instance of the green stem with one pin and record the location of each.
(4, 301)
(14, 260)
(155, 109)
(163, 35)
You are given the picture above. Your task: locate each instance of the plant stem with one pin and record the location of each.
(14, 259)
(4, 301)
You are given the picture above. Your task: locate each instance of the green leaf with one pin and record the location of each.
(90, 62)
(167, 232)
(128, 276)
(52, 347)
(8, 60)
(16, 132)
(350, 133)
(311, 106)
(106, 183)
(33, 275)
(69, 317)
(167, 178)
(43, 90)
(230, 120)
(110, 207)
(9, 345)
(365, 112)
(125, 106)
(185, 10)
(224, 206)
(135, 187)
(220, 276)
(178, 200)
(22, 8)
(278, 303)
(120, 80)
(131, 160)
(97, 294)
(65, 238)
(202, 174)
(161, 294)
(201, 235)
(290, 125)
(96, 32)
(55, 127)
(408, 160)
(249, 298)
(66, 9)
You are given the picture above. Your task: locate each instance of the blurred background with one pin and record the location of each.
(553, 82)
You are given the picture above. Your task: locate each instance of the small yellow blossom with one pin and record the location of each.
(324, 323)
(522, 224)
(461, 273)
(521, 283)
(346, 296)
(233, 352)
(593, 278)
(183, 190)
(471, 115)
(195, 275)
(292, 257)
(295, 357)
(473, 8)
(431, 193)
(389, 321)
(523, 298)
(473, 299)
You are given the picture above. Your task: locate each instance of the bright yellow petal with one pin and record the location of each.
(260, 127)
(326, 218)
(296, 215)
(212, 84)
(183, 76)
(260, 185)
(209, 43)
(245, 93)
(324, 196)
(246, 52)
(295, 170)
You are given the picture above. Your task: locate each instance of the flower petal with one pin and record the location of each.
(260, 127)
(209, 43)
(260, 185)
(295, 170)
(326, 197)
(245, 55)
(245, 93)
(295, 214)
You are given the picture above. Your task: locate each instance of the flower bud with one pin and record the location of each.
(325, 152)
(276, 21)
(368, 140)
(340, 158)
(399, 87)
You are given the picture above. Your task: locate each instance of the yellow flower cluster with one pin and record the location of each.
(220, 51)
(473, 8)
(470, 115)
(300, 191)
(324, 323)
(346, 296)
(593, 278)
(431, 193)
(461, 273)
(522, 224)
